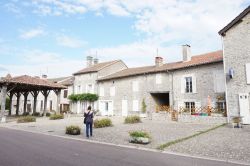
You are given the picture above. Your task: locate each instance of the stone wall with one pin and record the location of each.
(236, 55)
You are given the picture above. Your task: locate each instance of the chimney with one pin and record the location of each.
(95, 61)
(186, 52)
(89, 61)
(158, 61)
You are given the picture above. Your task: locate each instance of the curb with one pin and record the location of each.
(134, 147)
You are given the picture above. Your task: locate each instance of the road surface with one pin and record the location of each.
(19, 148)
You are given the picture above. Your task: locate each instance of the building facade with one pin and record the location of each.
(85, 80)
(236, 51)
(186, 84)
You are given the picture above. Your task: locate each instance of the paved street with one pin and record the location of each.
(29, 149)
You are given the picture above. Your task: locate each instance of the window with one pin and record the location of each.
(106, 106)
(188, 85)
(190, 107)
(65, 93)
(112, 91)
(221, 106)
(41, 105)
(135, 86)
(135, 105)
(101, 91)
(158, 78)
(248, 73)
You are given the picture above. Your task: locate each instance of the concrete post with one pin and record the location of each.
(3, 102)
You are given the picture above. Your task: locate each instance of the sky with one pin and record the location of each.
(54, 37)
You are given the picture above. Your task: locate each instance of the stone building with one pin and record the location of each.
(85, 80)
(236, 51)
(185, 84)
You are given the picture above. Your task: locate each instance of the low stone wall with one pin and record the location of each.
(190, 118)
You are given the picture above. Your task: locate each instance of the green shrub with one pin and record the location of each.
(47, 114)
(26, 113)
(132, 119)
(36, 114)
(139, 134)
(73, 130)
(56, 116)
(26, 119)
(99, 123)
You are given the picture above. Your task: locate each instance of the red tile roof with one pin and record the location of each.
(96, 67)
(197, 60)
(28, 80)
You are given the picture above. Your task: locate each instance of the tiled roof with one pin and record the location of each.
(197, 60)
(66, 81)
(28, 80)
(96, 67)
(56, 80)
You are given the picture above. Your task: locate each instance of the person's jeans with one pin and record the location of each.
(88, 129)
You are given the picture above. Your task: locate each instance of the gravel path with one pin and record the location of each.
(223, 143)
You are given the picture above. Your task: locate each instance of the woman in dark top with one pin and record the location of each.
(88, 115)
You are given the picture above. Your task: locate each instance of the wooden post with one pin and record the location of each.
(58, 94)
(34, 94)
(18, 95)
(3, 102)
(25, 94)
(46, 94)
(11, 97)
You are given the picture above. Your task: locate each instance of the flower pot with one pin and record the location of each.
(139, 140)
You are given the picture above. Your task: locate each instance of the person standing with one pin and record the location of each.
(88, 120)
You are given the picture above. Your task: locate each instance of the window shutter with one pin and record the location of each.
(180, 105)
(248, 73)
(197, 105)
(194, 84)
(101, 91)
(183, 84)
(135, 105)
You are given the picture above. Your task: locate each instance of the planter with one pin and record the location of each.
(143, 115)
(139, 140)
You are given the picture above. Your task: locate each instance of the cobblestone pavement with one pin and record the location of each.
(222, 143)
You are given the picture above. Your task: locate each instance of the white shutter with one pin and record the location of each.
(158, 78)
(135, 86)
(194, 83)
(197, 105)
(180, 105)
(135, 105)
(101, 91)
(248, 73)
(182, 84)
(112, 91)
(93, 88)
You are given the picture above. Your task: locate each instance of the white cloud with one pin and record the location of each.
(32, 33)
(38, 62)
(70, 42)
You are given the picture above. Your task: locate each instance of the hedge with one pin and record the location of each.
(56, 116)
(26, 119)
(73, 130)
(132, 119)
(83, 97)
(106, 122)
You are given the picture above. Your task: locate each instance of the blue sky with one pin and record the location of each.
(53, 37)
